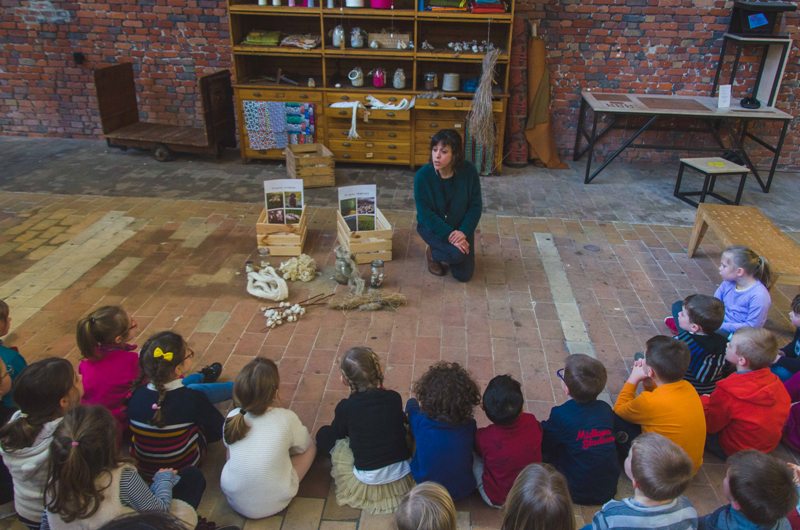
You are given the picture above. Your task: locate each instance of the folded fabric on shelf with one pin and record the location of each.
(276, 124)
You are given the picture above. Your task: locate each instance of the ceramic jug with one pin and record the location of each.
(378, 77)
(337, 38)
(357, 38)
(399, 79)
(356, 76)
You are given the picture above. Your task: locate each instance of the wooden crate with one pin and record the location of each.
(366, 245)
(389, 40)
(311, 162)
(281, 239)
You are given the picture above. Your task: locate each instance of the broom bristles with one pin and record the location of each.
(480, 119)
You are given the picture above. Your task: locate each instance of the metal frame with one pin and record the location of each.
(709, 182)
(714, 124)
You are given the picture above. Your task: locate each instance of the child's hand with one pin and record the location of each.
(795, 471)
(639, 372)
(167, 469)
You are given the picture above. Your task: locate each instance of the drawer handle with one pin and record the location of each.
(256, 94)
(346, 144)
(303, 96)
(346, 155)
(392, 146)
(391, 114)
(392, 135)
(434, 125)
(369, 144)
(281, 95)
(434, 104)
(369, 155)
(369, 133)
(342, 113)
(344, 98)
(392, 99)
(391, 157)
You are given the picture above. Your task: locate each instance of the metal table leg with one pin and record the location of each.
(778, 149)
(589, 177)
(579, 131)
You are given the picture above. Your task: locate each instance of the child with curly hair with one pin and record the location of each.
(443, 427)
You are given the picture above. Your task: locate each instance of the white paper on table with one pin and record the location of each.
(724, 100)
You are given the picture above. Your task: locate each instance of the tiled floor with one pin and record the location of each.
(544, 287)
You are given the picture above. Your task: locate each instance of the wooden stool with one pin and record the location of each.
(746, 225)
(711, 168)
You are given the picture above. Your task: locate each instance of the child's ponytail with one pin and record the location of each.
(84, 445)
(254, 391)
(160, 355)
(38, 392)
(753, 264)
(102, 326)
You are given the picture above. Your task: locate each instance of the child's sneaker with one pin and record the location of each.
(211, 372)
(670, 323)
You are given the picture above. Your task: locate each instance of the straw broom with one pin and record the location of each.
(480, 120)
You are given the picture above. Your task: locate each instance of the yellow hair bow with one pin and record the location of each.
(160, 353)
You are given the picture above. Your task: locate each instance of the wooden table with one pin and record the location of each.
(746, 225)
(652, 108)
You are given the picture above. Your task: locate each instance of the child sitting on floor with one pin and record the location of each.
(170, 423)
(698, 322)
(427, 506)
(11, 365)
(672, 409)
(660, 471)
(269, 449)
(110, 364)
(749, 408)
(91, 483)
(44, 391)
(579, 436)
(506, 447)
(539, 500)
(761, 492)
(367, 438)
(788, 363)
(442, 423)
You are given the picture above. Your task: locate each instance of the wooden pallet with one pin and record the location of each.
(746, 225)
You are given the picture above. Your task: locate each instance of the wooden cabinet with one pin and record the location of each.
(384, 136)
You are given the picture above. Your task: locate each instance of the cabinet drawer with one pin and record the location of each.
(272, 94)
(376, 115)
(436, 124)
(422, 139)
(370, 156)
(452, 104)
(337, 132)
(363, 146)
(335, 97)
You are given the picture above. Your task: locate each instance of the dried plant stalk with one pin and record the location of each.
(371, 301)
(480, 120)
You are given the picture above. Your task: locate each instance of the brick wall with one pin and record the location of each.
(658, 46)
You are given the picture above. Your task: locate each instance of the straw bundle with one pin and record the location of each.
(480, 120)
(372, 301)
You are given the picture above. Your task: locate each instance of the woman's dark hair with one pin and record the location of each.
(84, 446)
(450, 138)
(145, 521)
(38, 391)
(159, 357)
(254, 390)
(101, 326)
(362, 369)
(447, 393)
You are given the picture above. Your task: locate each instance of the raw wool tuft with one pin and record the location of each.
(480, 119)
(266, 283)
(302, 268)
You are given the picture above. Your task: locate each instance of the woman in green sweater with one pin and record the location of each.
(447, 192)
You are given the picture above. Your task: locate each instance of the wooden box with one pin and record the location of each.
(311, 162)
(366, 245)
(389, 40)
(281, 239)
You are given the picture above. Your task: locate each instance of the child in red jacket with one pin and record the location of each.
(749, 408)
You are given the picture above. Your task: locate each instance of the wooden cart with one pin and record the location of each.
(119, 114)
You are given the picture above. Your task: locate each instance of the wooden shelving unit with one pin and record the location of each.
(399, 137)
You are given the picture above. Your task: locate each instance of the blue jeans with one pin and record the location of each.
(215, 392)
(461, 265)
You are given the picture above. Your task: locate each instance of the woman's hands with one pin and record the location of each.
(459, 240)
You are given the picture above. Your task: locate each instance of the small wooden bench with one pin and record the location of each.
(710, 168)
(746, 225)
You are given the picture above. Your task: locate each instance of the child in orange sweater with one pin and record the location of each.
(672, 407)
(749, 408)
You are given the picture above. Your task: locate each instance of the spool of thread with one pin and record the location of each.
(451, 82)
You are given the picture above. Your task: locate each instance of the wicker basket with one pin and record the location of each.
(389, 40)
(311, 162)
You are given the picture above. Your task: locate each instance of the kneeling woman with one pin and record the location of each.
(447, 192)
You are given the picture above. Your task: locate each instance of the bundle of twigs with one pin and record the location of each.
(370, 301)
(480, 120)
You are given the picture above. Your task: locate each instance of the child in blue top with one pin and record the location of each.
(746, 279)
(13, 363)
(579, 436)
(788, 363)
(443, 427)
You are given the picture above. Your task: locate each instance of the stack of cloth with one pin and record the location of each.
(260, 37)
(448, 5)
(276, 124)
(487, 6)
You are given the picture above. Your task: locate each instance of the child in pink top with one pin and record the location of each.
(110, 363)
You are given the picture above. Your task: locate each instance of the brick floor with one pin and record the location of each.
(543, 287)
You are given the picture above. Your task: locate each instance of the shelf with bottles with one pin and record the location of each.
(262, 70)
(368, 36)
(400, 11)
(344, 73)
(267, 35)
(252, 8)
(430, 76)
(455, 41)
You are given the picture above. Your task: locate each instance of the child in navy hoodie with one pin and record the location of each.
(579, 436)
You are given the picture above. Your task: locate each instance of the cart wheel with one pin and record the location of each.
(162, 153)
